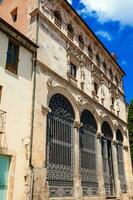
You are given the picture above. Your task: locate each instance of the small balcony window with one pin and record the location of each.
(111, 74)
(12, 57)
(70, 31)
(81, 42)
(104, 67)
(90, 52)
(98, 60)
(116, 80)
(73, 70)
(58, 19)
(96, 88)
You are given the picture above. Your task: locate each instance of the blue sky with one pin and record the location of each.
(112, 22)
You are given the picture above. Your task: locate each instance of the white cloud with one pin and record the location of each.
(70, 1)
(104, 34)
(110, 10)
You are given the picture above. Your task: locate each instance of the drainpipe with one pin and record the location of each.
(33, 109)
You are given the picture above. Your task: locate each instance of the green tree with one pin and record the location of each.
(130, 127)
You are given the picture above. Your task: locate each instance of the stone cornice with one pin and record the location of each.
(47, 69)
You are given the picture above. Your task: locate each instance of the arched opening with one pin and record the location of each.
(120, 160)
(107, 159)
(88, 165)
(60, 147)
(70, 31)
(58, 18)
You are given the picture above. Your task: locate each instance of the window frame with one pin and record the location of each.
(12, 68)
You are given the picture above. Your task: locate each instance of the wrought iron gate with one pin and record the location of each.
(60, 147)
(107, 160)
(121, 168)
(88, 167)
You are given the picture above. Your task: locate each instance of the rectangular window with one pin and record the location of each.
(96, 88)
(0, 92)
(73, 70)
(12, 57)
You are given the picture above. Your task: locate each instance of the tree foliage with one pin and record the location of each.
(130, 127)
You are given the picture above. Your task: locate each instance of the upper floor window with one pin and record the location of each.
(112, 102)
(58, 19)
(111, 74)
(96, 88)
(12, 57)
(81, 42)
(98, 59)
(90, 52)
(14, 14)
(0, 92)
(70, 31)
(104, 67)
(116, 80)
(73, 70)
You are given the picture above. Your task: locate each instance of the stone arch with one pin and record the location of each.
(91, 109)
(69, 97)
(109, 121)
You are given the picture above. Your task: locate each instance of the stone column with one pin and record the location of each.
(115, 167)
(40, 188)
(77, 178)
(100, 170)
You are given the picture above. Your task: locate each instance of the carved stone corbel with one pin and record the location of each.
(50, 82)
(77, 124)
(45, 110)
(99, 135)
(80, 100)
(125, 147)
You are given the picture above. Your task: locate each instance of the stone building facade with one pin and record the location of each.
(80, 145)
(16, 85)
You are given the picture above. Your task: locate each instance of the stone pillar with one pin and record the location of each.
(40, 188)
(115, 168)
(77, 178)
(100, 171)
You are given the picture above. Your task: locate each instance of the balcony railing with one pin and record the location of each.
(2, 121)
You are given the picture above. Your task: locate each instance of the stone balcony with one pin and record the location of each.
(2, 121)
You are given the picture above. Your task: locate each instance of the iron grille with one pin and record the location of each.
(60, 148)
(88, 167)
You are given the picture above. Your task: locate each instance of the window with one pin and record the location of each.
(60, 123)
(112, 102)
(14, 14)
(116, 80)
(0, 92)
(70, 31)
(111, 74)
(81, 42)
(58, 19)
(73, 70)
(12, 57)
(104, 67)
(90, 52)
(120, 161)
(98, 59)
(96, 88)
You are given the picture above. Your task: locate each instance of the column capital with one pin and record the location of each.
(114, 142)
(45, 110)
(125, 147)
(77, 124)
(99, 135)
